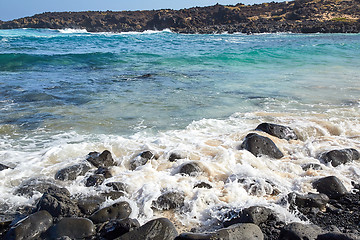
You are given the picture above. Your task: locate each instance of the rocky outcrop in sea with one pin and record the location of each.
(299, 16)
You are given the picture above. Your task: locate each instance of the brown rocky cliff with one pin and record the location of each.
(294, 16)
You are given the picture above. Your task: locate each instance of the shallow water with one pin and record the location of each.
(66, 93)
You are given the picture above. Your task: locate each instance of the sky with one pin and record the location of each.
(13, 9)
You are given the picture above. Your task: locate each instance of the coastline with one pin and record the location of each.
(299, 16)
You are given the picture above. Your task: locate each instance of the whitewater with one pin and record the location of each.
(67, 93)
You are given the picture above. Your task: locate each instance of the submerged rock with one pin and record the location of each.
(279, 131)
(116, 228)
(331, 186)
(340, 156)
(190, 169)
(141, 159)
(203, 185)
(104, 171)
(157, 229)
(72, 172)
(117, 186)
(104, 159)
(314, 166)
(169, 200)
(31, 227)
(3, 167)
(174, 157)
(30, 187)
(74, 228)
(260, 145)
(118, 210)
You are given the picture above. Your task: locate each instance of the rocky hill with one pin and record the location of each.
(299, 16)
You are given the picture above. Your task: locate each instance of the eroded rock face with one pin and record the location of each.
(279, 131)
(260, 145)
(31, 227)
(340, 156)
(157, 229)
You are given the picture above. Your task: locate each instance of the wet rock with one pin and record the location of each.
(279, 131)
(3, 167)
(257, 186)
(74, 228)
(30, 187)
(141, 159)
(300, 231)
(5, 221)
(72, 172)
(113, 195)
(254, 214)
(241, 231)
(94, 180)
(331, 186)
(169, 200)
(259, 145)
(190, 169)
(31, 227)
(91, 204)
(174, 157)
(58, 205)
(309, 200)
(103, 159)
(104, 171)
(203, 185)
(117, 186)
(118, 210)
(314, 166)
(116, 228)
(340, 156)
(157, 229)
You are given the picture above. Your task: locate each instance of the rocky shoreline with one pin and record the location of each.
(331, 213)
(299, 16)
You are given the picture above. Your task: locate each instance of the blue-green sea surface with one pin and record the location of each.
(64, 93)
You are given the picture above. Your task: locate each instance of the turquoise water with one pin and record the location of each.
(66, 93)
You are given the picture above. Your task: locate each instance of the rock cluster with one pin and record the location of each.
(333, 212)
(299, 16)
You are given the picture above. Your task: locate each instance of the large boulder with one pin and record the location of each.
(116, 228)
(74, 228)
(340, 156)
(310, 200)
(118, 210)
(279, 131)
(157, 229)
(241, 231)
(331, 186)
(294, 231)
(169, 200)
(31, 227)
(72, 172)
(254, 214)
(58, 204)
(103, 159)
(260, 145)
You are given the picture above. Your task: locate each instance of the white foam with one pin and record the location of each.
(71, 30)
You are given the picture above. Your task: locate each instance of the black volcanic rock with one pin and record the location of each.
(118, 210)
(299, 16)
(260, 145)
(340, 156)
(331, 186)
(279, 131)
(103, 159)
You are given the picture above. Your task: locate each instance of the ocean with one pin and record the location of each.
(65, 93)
